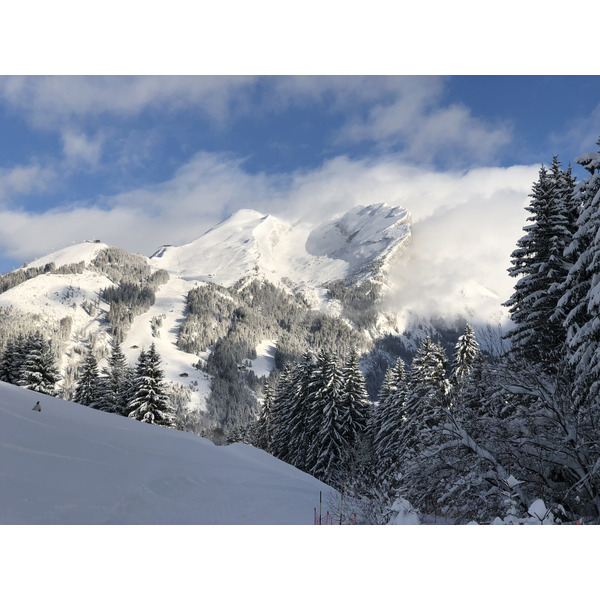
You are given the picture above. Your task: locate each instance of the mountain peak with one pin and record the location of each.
(240, 217)
(249, 243)
(366, 237)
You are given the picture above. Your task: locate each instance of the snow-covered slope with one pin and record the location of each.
(169, 309)
(249, 243)
(70, 464)
(367, 238)
(85, 251)
(358, 246)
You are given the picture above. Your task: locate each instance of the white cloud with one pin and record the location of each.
(23, 179)
(52, 100)
(201, 193)
(460, 254)
(406, 112)
(465, 226)
(428, 131)
(78, 148)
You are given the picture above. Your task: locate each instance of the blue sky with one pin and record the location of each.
(91, 157)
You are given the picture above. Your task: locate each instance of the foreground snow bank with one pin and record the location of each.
(403, 513)
(70, 464)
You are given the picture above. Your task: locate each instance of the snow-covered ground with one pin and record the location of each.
(264, 362)
(70, 464)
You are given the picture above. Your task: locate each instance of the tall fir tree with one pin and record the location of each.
(150, 403)
(580, 302)
(39, 372)
(116, 382)
(87, 391)
(328, 448)
(422, 423)
(541, 269)
(264, 425)
(355, 404)
(13, 358)
(391, 411)
(294, 433)
(427, 397)
(279, 412)
(466, 351)
(387, 446)
(379, 413)
(356, 414)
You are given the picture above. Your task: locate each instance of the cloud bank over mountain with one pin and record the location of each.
(464, 225)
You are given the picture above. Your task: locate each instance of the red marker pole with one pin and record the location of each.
(320, 499)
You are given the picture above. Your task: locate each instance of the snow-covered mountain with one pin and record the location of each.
(70, 464)
(338, 269)
(355, 247)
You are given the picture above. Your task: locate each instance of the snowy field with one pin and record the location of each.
(264, 362)
(70, 464)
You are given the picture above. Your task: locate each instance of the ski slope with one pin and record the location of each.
(178, 366)
(70, 464)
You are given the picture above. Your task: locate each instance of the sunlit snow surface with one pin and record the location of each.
(70, 464)
(250, 243)
(264, 362)
(84, 251)
(177, 365)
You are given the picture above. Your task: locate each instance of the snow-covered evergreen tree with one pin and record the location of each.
(387, 442)
(580, 303)
(466, 352)
(239, 435)
(386, 445)
(294, 433)
(355, 406)
(264, 425)
(424, 413)
(12, 361)
(116, 383)
(39, 372)
(328, 448)
(356, 414)
(150, 403)
(541, 269)
(87, 391)
(379, 413)
(279, 409)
